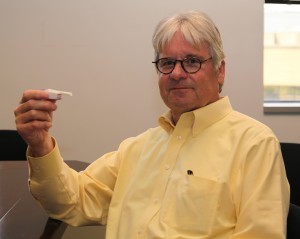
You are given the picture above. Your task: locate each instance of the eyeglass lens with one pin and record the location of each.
(190, 65)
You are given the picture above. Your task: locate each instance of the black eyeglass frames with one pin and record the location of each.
(189, 64)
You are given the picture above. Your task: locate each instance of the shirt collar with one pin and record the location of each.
(198, 119)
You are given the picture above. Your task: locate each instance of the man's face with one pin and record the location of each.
(182, 91)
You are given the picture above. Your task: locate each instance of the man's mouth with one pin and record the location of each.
(180, 88)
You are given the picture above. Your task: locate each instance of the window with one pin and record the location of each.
(282, 56)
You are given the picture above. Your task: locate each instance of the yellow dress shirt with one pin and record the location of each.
(217, 174)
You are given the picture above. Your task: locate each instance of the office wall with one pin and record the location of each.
(101, 51)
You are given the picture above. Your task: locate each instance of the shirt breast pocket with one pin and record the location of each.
(191, 204)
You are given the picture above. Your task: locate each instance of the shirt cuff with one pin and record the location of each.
(50, 165)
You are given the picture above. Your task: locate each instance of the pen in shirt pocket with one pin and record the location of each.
(190, 172)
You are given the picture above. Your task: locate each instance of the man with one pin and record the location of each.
(206, 171)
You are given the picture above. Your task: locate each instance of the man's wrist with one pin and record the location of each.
(42, 149)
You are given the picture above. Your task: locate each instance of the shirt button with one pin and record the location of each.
(167, 167)
(178, 137)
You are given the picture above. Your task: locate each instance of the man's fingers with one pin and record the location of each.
(33, 104)
(33, 126)
(34, 94)
(33, 115)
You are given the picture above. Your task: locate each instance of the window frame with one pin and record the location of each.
(287, 107)
(283, 1)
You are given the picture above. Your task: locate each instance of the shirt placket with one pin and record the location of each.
(178, 137)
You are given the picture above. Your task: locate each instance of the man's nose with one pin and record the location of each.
(178, 72)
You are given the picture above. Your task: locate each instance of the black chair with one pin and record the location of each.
(293, 222)
(12, 146)
(291, 157)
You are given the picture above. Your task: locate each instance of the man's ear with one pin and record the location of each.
(221, 75)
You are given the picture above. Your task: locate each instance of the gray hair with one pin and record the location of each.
(196, 27)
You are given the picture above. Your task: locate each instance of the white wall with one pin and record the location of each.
(102, 52)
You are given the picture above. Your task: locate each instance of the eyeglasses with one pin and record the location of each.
(189, 64)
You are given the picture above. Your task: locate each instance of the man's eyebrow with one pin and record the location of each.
(184, 57)
(201, 58)
(191, 55)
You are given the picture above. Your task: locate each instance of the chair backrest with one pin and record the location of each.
(293, 222)
(12, 146)
(291, 157)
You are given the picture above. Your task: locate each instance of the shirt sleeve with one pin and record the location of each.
(77, 198)
(263, 200)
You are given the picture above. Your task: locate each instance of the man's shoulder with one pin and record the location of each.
(246, 123)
